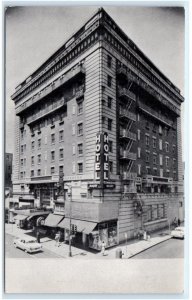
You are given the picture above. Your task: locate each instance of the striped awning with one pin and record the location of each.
(82, 226)
(20, 217)
(53, 220)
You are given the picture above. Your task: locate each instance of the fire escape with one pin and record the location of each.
(127, 138)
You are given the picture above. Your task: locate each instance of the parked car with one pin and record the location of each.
(178, 232)
(28, 244)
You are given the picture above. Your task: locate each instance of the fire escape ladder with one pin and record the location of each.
(129, 145)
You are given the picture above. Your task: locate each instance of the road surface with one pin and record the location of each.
(12, 252)
(173, 248)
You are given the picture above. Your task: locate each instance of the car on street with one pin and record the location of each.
(28, 244)
(178, 232)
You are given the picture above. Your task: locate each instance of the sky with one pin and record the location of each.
(34, 33)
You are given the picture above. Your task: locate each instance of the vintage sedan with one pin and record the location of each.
(28, 244)
(178, 232)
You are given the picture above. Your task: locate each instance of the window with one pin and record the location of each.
(21, 162)
(155, 211)
(39, 144)
(174, 162)
(80, 107)
(61, 135)
(109, 124)
(73, 129)
(138, 134)
(154, 142)
(103, 120)
(146, 140)
(147, 125)
(22, 134)
(80, 168)
(45, 155)
(110, 146)
(52, 138)
(39, 172)
(73, 167)
(32, 145)
(167, 161)
(109, 61)
(45, 139)
(161, 172)
(166, 131)
(60, 169)
(161, 211)
(149, 213)
(52, 155)
(147, 156)
(154, 159)
(166, 146)
(148, 169)
(109, 102)
(52, 170)
(139, 152)
(52, 121)
(22, 149)
(160, 145)
(139, 169)
(39, 158)
(160, 129)
(80, 129)
(80, 149)
(161, 159)
(109, 81)
(73, 109)
(32, 173)
(138, 117)
(154, 129)
(32, 160)
(111, 167)
(174, 149)
(61, 154)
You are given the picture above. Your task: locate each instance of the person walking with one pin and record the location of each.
(38, 236)
(179, 222)
(57, 237)
(103, 245)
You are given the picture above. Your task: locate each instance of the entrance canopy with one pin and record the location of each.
(20, 217)
(82, 226)
(53, 220)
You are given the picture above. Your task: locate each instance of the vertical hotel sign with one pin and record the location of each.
(102, 157)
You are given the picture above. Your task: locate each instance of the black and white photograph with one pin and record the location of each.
(94, 149)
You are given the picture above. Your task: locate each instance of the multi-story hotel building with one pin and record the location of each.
(101, 118)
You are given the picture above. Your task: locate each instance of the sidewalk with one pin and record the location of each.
(129, 250)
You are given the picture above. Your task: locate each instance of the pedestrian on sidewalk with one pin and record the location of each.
(38, 236)
(57, 238)
(179, 222)
(103, 245)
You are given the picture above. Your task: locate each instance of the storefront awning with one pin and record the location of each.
(82, 226)
(53, 220)
(20, 217)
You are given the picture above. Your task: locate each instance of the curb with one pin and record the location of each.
(148, 248)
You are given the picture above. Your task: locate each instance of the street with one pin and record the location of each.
(12, 252)
(173, 248)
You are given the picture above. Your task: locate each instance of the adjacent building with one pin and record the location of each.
(98, 137)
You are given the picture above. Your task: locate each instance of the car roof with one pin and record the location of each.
(26, 238)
